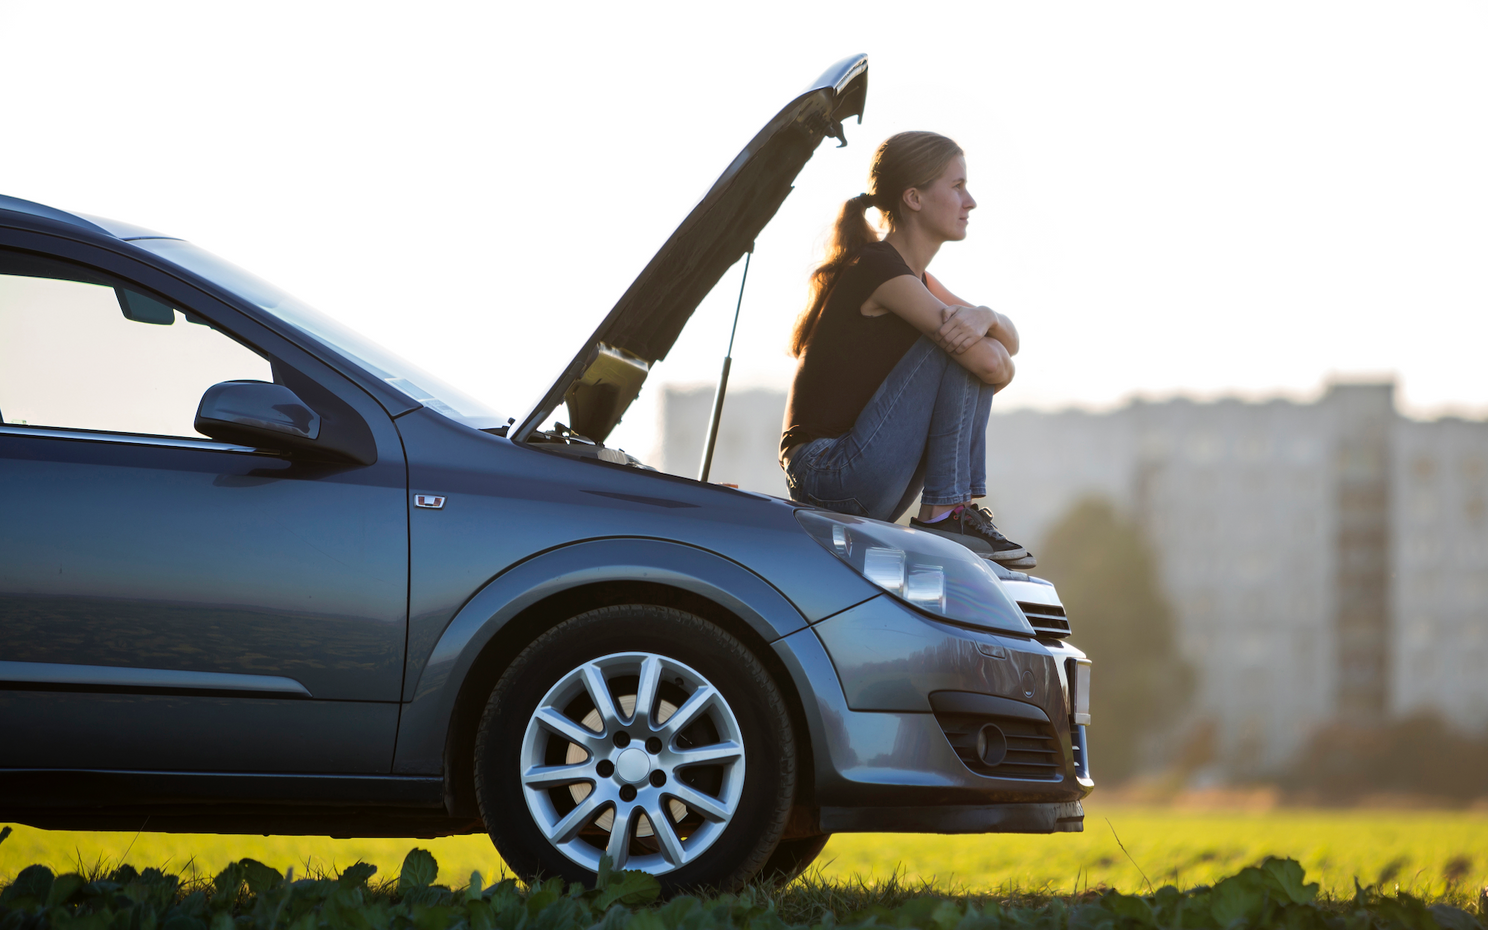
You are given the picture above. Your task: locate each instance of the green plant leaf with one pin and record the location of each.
(769, 920)
(227, 884)
(540, 899)
(645, 920)
(1130, 906)
(1404, 910)
(1287, 876)
(194, 904)
(356, 876)
(1238, 899)
(260, 877)
(913, 913)
(419, 870)
(1454, 918)
(628, 887)
(478, 914)
(436, 917)
(339, 917)
(30, 888)
(1082, 917)
(183, 922)
(429, 897)
(98, 920)
(503, 895)
(64, 887)
(947, 915)
(679, 911)
(616, 918)
(124, 874)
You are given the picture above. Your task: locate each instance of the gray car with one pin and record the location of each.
(259, 575)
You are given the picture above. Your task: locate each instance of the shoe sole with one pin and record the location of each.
(1021, 565)
(977, 544)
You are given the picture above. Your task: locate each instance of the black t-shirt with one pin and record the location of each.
(849, 354)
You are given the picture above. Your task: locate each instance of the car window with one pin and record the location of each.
(400, 374)
(97, 355)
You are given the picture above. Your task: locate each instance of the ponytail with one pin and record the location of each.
(903, 161)
(849, 234)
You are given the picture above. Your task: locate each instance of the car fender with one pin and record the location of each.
(425, 720)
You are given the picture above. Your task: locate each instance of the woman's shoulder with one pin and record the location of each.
(878, 262)
(874, 264)
(880, 251)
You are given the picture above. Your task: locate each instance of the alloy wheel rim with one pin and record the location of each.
(636, 756)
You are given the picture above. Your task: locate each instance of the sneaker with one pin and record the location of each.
(972, 527)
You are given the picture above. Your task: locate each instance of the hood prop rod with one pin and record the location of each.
(728, 360)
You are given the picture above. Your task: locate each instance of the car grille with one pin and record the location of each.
(1032, 746)
(1046, 619)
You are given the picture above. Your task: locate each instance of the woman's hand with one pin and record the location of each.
(963, 327)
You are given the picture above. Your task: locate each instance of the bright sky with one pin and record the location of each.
(1181, 197)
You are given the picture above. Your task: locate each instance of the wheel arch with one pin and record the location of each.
(437, 731)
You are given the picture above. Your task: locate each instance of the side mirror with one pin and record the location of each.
(265, 416)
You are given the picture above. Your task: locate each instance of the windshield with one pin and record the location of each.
(404, 376)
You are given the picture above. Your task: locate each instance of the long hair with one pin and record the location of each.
(903, 161)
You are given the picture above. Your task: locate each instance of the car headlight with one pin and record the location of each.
(922, 569)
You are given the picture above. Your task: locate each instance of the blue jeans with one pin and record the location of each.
(924, 432)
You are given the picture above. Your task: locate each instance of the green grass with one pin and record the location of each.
(1274, 894)
(1426, 853)
(1433, 854)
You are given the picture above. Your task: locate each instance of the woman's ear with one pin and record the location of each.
(911, 199)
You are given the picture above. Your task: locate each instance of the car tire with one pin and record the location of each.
(792, 857)
(557, 766)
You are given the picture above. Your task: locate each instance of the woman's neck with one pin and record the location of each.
(914, 246)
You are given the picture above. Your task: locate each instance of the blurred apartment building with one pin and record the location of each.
(1325, 561)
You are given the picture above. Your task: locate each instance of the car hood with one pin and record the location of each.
(611, 365)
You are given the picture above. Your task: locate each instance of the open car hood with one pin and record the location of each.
(610, 367)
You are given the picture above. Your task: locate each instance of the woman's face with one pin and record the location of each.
(946, 204)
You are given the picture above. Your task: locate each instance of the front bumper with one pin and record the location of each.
(1021, 817)
(883, 757)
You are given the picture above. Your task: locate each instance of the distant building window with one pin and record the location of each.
(1423, 469)
(1473, 510)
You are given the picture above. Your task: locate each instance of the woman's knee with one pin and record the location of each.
(943, 363)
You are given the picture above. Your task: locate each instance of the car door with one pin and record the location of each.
(168, 602)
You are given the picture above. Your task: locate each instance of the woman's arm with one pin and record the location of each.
(957, 322)
(907, 298)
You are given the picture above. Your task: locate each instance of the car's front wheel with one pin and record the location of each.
(642, 733)
(792, 857)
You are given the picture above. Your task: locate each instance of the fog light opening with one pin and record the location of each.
(991, 745)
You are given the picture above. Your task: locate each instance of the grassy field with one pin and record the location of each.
(1422, 852)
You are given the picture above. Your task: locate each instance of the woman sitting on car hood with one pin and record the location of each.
(896, 374)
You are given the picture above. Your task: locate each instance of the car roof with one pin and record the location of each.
(114, 229)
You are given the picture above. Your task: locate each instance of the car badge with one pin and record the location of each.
(429, 501)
